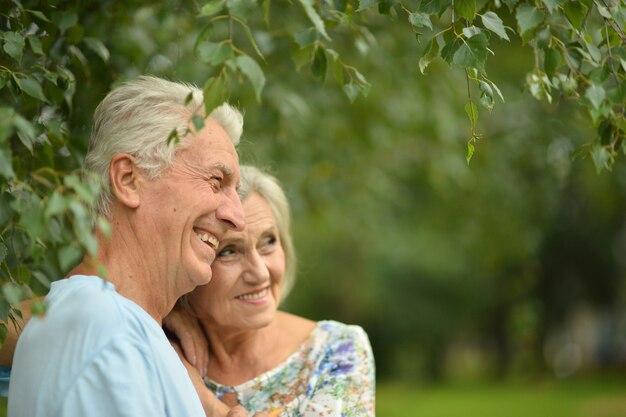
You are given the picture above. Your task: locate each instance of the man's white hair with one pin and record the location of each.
(139, 117)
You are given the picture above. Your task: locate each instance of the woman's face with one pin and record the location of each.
(248, 271)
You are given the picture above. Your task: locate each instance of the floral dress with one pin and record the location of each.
(331, 374)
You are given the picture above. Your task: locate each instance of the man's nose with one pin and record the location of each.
(231, 212)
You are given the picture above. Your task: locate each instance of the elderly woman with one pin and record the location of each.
(269, 359)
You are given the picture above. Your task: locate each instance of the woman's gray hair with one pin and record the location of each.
(138, 118)
(253, 180)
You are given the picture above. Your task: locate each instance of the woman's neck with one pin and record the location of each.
(237, 355)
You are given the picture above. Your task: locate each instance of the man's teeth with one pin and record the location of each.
(210, 239)
(253, 296)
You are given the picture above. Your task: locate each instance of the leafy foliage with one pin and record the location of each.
(59, 58)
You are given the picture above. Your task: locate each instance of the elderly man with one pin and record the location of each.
(100, 349)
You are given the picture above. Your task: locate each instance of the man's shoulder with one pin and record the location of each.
(82, 299)
(90, 308)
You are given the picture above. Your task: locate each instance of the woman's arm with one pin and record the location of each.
(193, 343)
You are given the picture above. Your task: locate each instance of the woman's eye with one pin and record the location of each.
(268, 243)
(227, 251)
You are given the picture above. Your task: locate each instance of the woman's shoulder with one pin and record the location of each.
(334, 337)
(332, 329)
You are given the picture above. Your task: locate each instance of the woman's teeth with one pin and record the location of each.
(210, 239)
(253, 296)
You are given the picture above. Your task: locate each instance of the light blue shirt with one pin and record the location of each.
(96, 353)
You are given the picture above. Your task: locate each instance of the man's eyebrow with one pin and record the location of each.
(222, 167)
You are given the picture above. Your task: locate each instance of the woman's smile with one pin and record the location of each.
(255, 297)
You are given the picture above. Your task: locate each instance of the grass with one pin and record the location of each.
(589, 397)
(578, 398)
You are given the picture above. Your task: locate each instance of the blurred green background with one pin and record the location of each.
(487, 290)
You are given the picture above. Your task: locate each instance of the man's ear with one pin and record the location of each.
(125, 178)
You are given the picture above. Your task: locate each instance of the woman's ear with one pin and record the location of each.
(125, 177)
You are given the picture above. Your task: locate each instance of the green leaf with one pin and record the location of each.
(434, 6)
(493, 22)
(366, 4)
(27, 131)
(31, 87)
(69, 256)
(306, 37)
(253, 72)
(470, 152)
(242, 8)
(13, 45)
(39, 15)
(510, 4)
(42, 278)
(3, 252)
(338, 71)
(104, 226)
(314, 17)
(553, 4)
(56, 205)
(13, 293)
(6, 123)
(31, 216)
(215, 93)
(575, 12)
(213, 53)
(38, 308)
(198, 122)
(35, 44)
(466, 9)
(551, 60)
(604, 12)
(601, 158)
(420, 21)
(352, 91)
(6, 164)
(212, 7)
(449, 50)
(301, 56)
(82, 190)
(5, 307)
(596, 95)
(594, 53)
(83, 228)
(4, 331)
(486, 96)
(472, 113)
(98, 47)
(470, 31)
(472, 53)
(528, 18)
(318, 67)
(384, 6)
(64, 20)
(431, 53)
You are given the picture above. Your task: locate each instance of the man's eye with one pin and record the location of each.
(216, 182)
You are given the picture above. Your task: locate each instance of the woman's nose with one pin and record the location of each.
(257, 270)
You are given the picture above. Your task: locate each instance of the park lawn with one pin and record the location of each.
(597, 397)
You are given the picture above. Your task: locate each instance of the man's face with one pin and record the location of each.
(189, 208)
